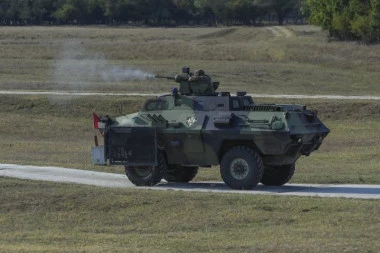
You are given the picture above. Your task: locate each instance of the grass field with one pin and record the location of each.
(57, 131)
(254, 59)
(47, 217)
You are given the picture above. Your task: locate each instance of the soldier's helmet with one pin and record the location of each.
(199, 72)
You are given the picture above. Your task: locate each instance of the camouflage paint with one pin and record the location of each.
(196, 130)
(195, 126)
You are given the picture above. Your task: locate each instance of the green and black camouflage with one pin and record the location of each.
(195, 126)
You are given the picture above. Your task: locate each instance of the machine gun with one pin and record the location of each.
(177, 78)
(186, 74)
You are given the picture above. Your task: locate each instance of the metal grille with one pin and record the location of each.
(264, 108)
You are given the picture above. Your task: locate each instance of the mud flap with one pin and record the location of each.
(132, 146)
(97, 155)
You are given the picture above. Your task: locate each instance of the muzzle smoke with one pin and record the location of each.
(124, 74)
(76, 65)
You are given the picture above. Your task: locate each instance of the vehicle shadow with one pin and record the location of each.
(335, 190)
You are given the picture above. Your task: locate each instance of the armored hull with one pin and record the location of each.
(172, 135)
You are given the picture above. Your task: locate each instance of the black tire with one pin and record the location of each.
(241, 168)
(278, 175)
(181, 174)
(147, 175)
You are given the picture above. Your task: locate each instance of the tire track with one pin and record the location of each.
(280, 31)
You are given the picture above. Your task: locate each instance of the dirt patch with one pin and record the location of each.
(279, 31)
(217, 34)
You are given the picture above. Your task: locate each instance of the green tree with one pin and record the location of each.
(375, 20)
(185, 11)
(281, 8)
(111, 10)
(95, 11)
(16, 12)
(347, 19)
(359, 11)
(208, 9)
(72, 12)
(248, 11)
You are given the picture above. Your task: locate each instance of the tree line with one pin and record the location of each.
(344, 19)
(147, 12)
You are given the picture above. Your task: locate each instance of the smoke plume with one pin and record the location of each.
(114, 73)
(76, 65)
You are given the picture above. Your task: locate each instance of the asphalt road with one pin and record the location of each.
(65, 175)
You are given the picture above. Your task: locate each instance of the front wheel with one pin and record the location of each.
(278, 175)
(241, 168)
(147, 175)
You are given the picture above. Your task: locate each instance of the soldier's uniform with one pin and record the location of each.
(201, 78)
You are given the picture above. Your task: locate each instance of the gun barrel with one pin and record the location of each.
(166, 77)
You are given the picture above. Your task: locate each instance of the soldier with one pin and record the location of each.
(201, 78)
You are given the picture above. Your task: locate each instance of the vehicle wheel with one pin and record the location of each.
(183, 174)
(241, 168)
(278, 175)
(147, 175)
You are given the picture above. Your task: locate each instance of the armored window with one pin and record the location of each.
(235, 104)
(246, 102)
(155, 105)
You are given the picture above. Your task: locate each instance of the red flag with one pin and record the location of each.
(96, 120)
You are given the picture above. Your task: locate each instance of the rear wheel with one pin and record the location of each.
(147, 175)
(183, 174)
(278, 175)
(241, 168)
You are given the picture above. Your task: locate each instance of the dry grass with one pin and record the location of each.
(247, 58)
(47, 217)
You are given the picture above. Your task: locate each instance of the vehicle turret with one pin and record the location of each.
(197, 83)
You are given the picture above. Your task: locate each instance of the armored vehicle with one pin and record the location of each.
(196, 126)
